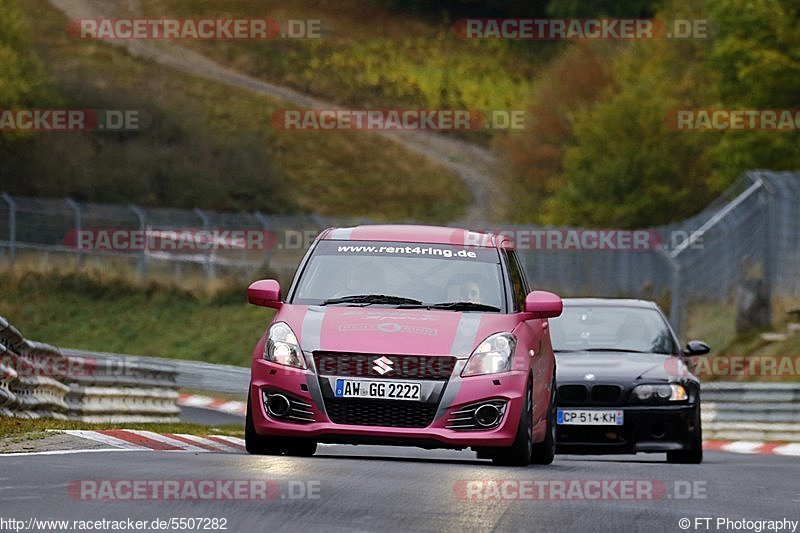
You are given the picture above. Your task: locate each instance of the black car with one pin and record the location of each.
(624, 383)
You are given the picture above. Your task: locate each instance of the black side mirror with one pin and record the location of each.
(696, 348)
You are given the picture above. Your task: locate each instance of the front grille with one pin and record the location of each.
(385, 413)
(572, 393)
(606, 393)
(580, 394)
(433, 367)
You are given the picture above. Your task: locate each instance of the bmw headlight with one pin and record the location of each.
(492, 356)
(282, 346)
(666, 392)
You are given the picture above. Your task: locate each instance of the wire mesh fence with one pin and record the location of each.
(751, 232)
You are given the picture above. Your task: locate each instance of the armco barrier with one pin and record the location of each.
(122, 390)
(192, 375)
(39, 381)
(735, 411)
(751, 411)
(731, 410)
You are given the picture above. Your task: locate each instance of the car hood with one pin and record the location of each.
(387, 330)
(614, 366)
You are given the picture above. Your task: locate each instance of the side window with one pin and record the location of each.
(517, 281)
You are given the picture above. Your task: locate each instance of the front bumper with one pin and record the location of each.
(304, 385)
(646, 429)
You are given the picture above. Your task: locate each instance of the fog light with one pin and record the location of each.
(487, 415)
(278, 405)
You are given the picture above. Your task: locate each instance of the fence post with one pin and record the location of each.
(12, 227)
(145, 249)
(209, 264)
(765, 198)
(265, 226)
(675, 292)
(78, 228)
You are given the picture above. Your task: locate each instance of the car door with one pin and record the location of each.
(532, 336)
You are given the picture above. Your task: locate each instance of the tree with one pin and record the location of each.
(758, 60)
(534, 158)
(625, 168)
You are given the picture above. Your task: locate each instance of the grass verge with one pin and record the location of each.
(210, 145)
(103, 313)
(730, 351)
(15, 430)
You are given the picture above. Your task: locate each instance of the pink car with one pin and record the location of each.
(406, 335)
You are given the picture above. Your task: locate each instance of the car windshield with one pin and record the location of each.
(402, 274)
(611, 328)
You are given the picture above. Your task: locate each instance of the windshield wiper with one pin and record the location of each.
(464, 306)
(372, 299)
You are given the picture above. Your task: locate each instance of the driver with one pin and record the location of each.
(362, 278)
(464, 289)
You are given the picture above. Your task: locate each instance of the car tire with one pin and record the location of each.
(693, 455)
(519, 453)
(544, 452)
(256, 444)
(301, 448)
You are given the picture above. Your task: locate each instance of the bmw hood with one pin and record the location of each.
(615, 366)
(388, 330)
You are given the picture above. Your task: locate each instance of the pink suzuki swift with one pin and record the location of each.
(406, 335)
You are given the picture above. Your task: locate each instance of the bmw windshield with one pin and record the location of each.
(611, 328)
(402, 274)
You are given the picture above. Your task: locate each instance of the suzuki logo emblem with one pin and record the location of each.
(383, 365)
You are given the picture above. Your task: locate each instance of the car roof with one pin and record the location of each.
(610, 302)
(417, 234)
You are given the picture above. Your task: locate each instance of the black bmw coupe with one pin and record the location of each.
(624, 383)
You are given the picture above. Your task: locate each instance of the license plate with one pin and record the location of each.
(381, 390)
(579, 417)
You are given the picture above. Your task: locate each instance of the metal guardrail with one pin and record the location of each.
(120, 388)
(731, 411)
(40, 381)
(751, 411)
(191, 375)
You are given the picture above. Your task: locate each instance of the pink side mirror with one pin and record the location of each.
(265, 292)
(544, 304)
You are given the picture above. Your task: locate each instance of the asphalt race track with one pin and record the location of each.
(388, 489)
(198, 415)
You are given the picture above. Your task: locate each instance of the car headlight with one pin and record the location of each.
(667, 392)
(282, 346)
(492, 356)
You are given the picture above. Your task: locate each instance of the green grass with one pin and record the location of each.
(209, 146)
(372, 56)
(101, 313)
(716, 324)
(14, 430)
(712, 324)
